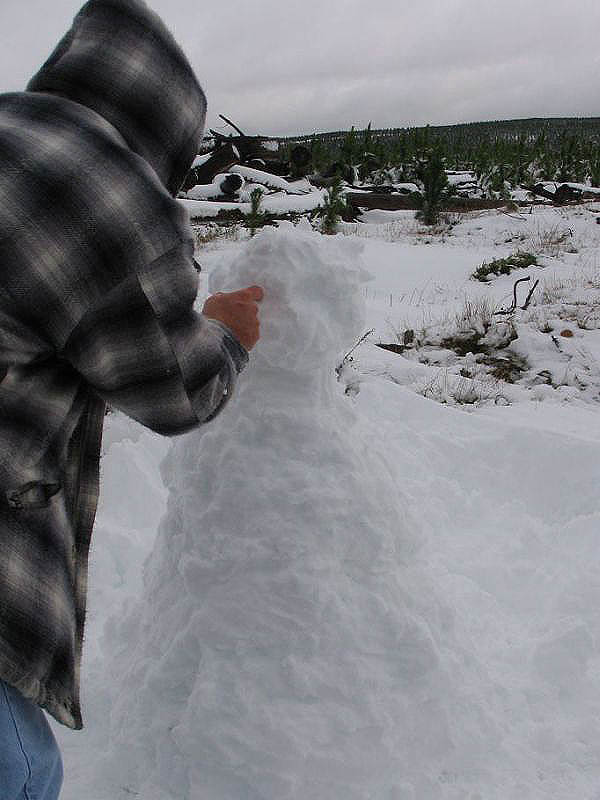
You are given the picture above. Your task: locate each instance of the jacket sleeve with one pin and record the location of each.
(147, 352)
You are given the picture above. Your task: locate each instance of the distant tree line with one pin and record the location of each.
(501, 154)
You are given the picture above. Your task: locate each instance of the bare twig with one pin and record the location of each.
(340, 367)
(360, 341)
(514, 303)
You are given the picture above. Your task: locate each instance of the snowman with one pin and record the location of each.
(272, 653)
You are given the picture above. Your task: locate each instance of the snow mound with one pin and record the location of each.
(273, 650)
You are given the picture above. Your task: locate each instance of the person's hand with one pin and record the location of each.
(239, 311)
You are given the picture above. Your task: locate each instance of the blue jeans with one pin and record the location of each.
(30, 762)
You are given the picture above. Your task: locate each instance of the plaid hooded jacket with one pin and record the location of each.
(97, 284)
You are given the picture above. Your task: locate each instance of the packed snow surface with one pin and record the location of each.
(355, 591)
(199, 160)
(273, 181)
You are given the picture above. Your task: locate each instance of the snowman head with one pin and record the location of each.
(313, 308)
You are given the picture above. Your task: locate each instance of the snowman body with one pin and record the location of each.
(271, 653)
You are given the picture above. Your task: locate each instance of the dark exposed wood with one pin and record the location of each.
(225, 215)
(539, 190)
(398, 202)
(564, 194)
(231, 183)
(471, 204)
(220, 161)
(382, 189)
(385, 202)
(393, 348)
(567, 194)
(248, 146)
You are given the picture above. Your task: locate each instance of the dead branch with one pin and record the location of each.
(229, 122)
(359, 342)
(531, 291)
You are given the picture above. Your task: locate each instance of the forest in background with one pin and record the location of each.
(501, 154)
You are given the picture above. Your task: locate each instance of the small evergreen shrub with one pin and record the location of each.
(333, 207)
(504, 266)
(432, 175)
(256, 218)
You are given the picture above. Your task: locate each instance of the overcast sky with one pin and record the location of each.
(280, 67)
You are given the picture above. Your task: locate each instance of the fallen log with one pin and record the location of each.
(385, 202)
(384, 189)
(222, 188)
(567, 194)
(472, 204)
(563, 195)
(540, 191)
(270, 180)
(398, 202)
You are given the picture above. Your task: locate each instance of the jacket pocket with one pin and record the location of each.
(34, 494)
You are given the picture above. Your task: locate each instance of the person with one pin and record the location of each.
(97, 289)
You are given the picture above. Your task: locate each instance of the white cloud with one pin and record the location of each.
(285, 66)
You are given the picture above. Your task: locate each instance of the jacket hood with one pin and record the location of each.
(120, 60)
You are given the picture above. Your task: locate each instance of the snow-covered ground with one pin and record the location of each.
(382, 587)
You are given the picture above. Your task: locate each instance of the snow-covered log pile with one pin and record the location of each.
(231, 191)
(278, 195)
(564, 193)
(222, 180)
(464, 183)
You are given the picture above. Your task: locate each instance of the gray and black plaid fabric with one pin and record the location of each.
(97, 284)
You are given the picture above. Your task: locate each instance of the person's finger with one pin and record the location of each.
(256, 292)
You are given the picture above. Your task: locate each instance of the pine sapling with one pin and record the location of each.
(432, 175)
(333, 207)
(256, 218)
